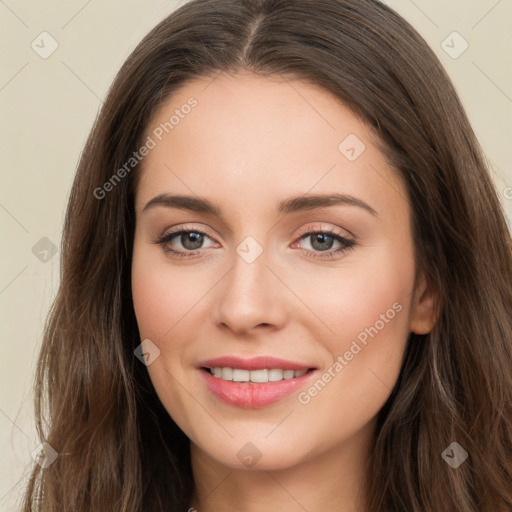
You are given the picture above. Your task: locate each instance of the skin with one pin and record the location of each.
(250, 143)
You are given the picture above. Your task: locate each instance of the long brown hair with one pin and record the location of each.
(118, 448)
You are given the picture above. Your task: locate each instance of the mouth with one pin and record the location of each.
(253, 383)
(255, 376)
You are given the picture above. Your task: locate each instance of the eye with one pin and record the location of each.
(188, 243)
(320, 242)
(183, 243)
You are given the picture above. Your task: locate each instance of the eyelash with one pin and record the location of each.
(347, 244)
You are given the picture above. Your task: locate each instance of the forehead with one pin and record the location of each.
(249, 111)
(250, 140)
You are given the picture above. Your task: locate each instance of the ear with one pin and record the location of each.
(424, 313)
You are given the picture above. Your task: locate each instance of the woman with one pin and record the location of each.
(286, 278)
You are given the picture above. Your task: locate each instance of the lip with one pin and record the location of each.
(253, 395)
(254, 363)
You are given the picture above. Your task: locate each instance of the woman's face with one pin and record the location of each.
(297, 257)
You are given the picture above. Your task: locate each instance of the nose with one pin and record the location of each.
(250, 297)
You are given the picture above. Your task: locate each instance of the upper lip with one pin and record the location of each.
(254, 363)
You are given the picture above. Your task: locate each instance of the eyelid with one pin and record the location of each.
(348, 241)
(308, 229)
(323, 227)
(187, 227)
(165, 239)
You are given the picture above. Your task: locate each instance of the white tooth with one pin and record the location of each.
(227, 373)
(263, 375)
(274, 375)
(259, 375)
(240, 375)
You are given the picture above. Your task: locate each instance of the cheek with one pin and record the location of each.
(151, 306)
(351, 298)
(366, 306)
(161, 300)
(160, 296)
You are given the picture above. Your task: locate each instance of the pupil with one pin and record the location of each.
(322, 241)
(192, 240)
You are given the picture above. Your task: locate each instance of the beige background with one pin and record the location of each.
(48, 106)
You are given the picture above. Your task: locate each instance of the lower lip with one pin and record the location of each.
(253, 395)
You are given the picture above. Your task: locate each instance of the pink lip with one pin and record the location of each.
(251, 395)
(255, 363)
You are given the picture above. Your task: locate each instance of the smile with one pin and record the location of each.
(253, 383)
(264, 375)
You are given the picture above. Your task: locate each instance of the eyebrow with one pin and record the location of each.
(294, 204)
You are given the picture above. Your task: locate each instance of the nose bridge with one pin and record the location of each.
(250, 293)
